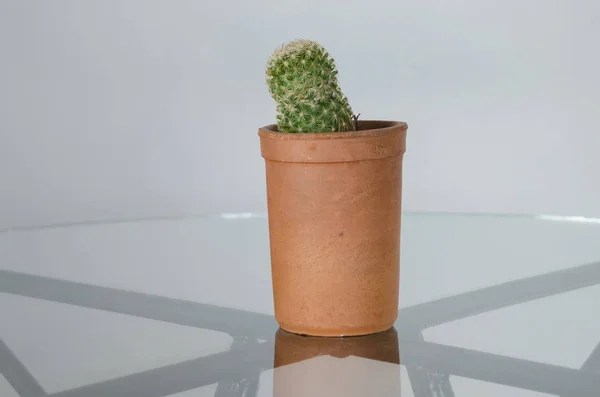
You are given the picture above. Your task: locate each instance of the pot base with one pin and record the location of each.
(336, 333)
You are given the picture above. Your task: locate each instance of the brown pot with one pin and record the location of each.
(334, 207)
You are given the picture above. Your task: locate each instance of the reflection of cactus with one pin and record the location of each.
(302, 79)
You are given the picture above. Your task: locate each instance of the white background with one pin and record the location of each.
(117, 108)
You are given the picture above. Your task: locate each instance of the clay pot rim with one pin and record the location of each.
(371, 128)
(375, 139)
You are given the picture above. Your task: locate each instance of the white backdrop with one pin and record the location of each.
(148, 108)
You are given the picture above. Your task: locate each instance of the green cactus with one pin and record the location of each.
(302, 79)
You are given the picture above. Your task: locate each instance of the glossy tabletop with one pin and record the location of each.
(490, 305)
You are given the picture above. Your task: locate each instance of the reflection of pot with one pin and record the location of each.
(353, 366)
(291, 348)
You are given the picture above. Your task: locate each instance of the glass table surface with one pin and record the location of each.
(490, 305)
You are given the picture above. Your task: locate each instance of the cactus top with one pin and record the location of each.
(302, 79)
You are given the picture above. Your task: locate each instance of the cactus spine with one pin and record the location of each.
(302, 79)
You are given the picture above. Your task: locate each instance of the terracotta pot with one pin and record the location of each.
(334, 207)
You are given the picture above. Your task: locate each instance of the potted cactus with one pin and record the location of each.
(334, 193)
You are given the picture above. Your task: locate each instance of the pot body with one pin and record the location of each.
(334, 207)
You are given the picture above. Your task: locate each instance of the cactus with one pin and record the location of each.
(302, 79)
